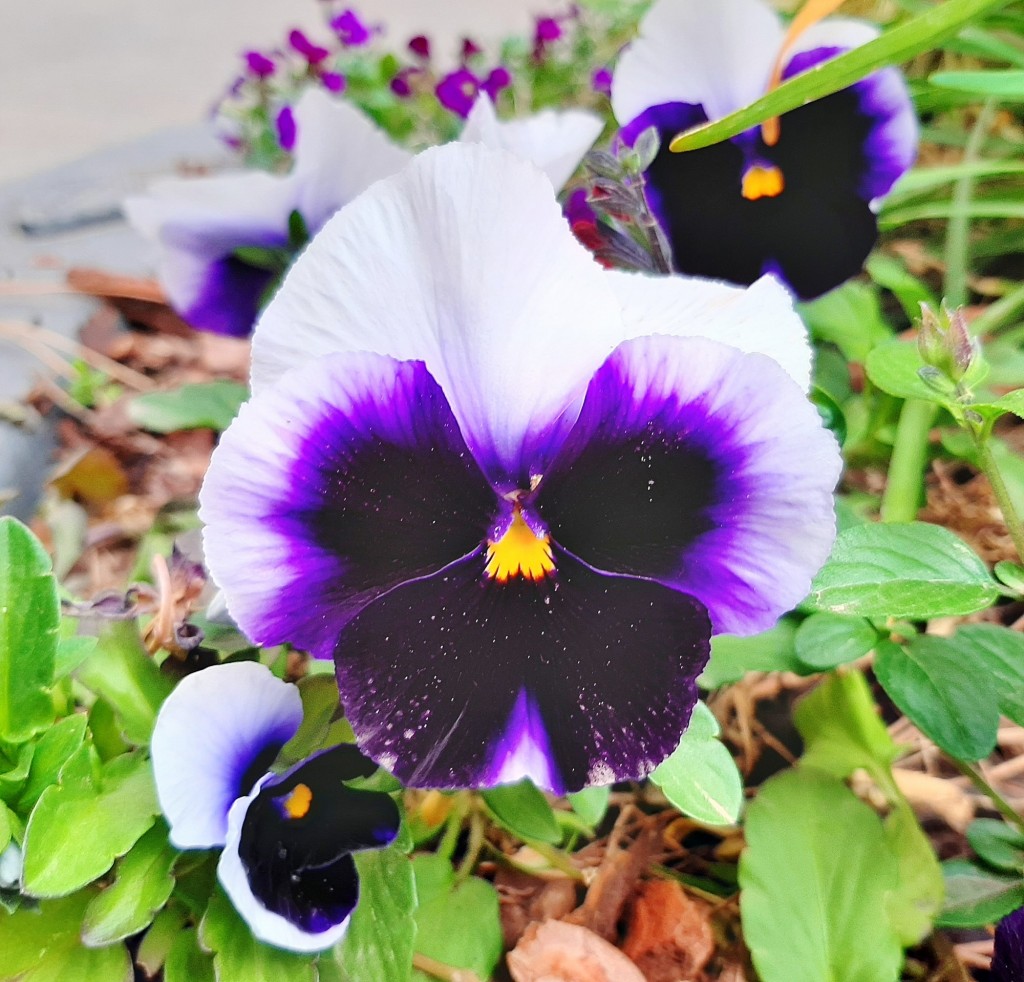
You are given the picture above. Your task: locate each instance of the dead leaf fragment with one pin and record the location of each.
(669, 935)
(558, 952)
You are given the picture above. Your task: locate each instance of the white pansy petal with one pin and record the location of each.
(758, 319)
(713, 53)
(463, 261)
(835, 32)
(555, 141)
(210, 732)
(339, 153)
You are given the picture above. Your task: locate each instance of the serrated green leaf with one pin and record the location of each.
(524, 811)
(142, 884)
(205, 405)
(78, 828)
(997, 844)
(457, 924)
(1007, 84)
(920, 33)
(824, 641)
(805, 915)
(946, 698)
(379, 944)
(590, 803)
(239, 957)
(732, 656)
(700, 776)
(895, 368)
(52, 751)
(29, 620)
(976, 897)
(911, 571)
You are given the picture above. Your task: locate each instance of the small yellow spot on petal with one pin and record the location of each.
(762, 182)
(519, 552)
(296, 805)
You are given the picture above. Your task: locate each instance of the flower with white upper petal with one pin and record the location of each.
(287, 838)
(511, 493)
(801, 206)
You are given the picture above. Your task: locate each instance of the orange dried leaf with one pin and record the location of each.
(558, 952)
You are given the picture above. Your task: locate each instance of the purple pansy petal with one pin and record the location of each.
(717, 55)
(351, 31)
(601, 81)
(284, 122)
(457, 91)
(555, 141)
(758, 319)
(259, 64)
(313, 53)
(453, 681)
(333, 81)
(420, 46)
(209, 734)
(417, 268)
(497, 79)
(703, 468)
(342, 481)
(227, 299)
(287, 865)
(1008, 958)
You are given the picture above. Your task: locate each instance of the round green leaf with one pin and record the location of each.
(524, 811)
(824, 641)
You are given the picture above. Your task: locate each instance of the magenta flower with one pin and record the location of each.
(333, 81)
(351, 31)
(401, 84)
(420, 46)
(313, 53)
(601, 81)
(259, 64)
(285, 125)
(497, 79)
(458, 90)
(547, 29)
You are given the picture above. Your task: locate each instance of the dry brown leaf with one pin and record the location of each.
(669, 935)
(528, 899)
(558, 952)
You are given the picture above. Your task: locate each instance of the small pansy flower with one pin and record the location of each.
(259, 64)
(457, 91)
(287, 838)
(798, 201)
(1008, 957)
(199, 224)
(510, 492)
(350, 29)
(313, 53)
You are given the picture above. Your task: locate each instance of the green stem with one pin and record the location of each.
(1000, 313)
(473, 846)
(987, 462)
(902, 497)
(1000, 804)
(453, 826)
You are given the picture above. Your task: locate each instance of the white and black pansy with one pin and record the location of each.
(800, 203)
(287, 839)
(511, 493)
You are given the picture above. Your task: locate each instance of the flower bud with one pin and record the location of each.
(945, 343)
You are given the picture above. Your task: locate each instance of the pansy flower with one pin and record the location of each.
(801, 206)
(1008, 957)
(203, 226)
(510, 492)
(287, 838)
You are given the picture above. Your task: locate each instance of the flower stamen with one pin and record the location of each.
(762, 182)
(519, 552)
(296, 805)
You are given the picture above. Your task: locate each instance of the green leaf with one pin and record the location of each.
(890, 272)
(850, 317)
(379, 944)
(239, 957)
(205, 405)
(524, 811)
(80, 826)
(943, 695)
(456, 925)
(700, 776)
(807, 917)
(924, 179)
(14, 774)
(910, 571)
(732, 656)
(43, 945)
(997, 844)
(319, 728)
(120, 672)
(920, 888)
(920, 33)
(824, 641)
(977, 208)
(186, 961)
(29, 619)
(54, 748)
(142, 884)
(71, 652)
(590, 803)
(895, 368)
(999, 84)
(976, 897)
(998, 652)
(155, 947)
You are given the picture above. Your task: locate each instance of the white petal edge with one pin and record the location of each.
(555, 141)
(266, 926)
(464, 261)
(339, 153)
(758, 319)
(835, 32)
(207, 727)
(714, 53)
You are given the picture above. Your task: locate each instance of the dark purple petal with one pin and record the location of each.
(700, 467)
(499, 78)
(547, 29)
(228, 298)
(351, 31)
(400, 83)
(1008, 959)
(333, 81)
(286, 129)
(458, 680)
(470, 49)
(346, 479)
(313, 53)
(601, 81)
(259, 64)
(458, 90)
(420, 46)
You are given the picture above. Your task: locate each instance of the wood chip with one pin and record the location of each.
(669, 935)
(558, 952)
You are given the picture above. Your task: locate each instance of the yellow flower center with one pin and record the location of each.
(296, 805)
(519, 552)
(762, 182)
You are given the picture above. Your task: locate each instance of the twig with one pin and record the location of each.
(979, 781)
(444, 972)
